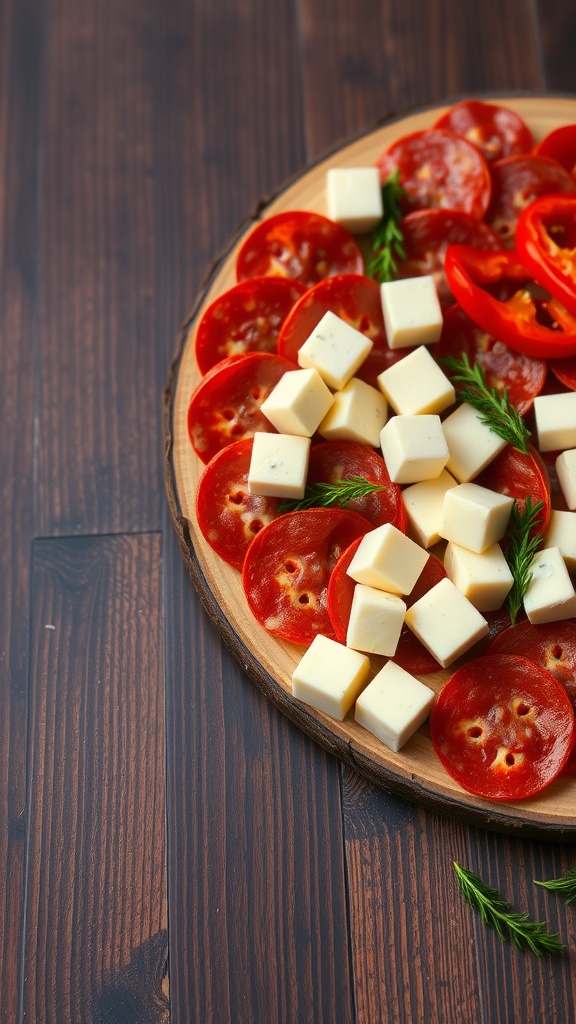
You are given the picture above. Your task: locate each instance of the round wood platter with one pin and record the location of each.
(414, 772)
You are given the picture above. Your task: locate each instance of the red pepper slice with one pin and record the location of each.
(546, 245)
(514, 320)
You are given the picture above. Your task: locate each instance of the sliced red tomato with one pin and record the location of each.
(426, 236)
(560, 145)
(520, 476)
(502, 727)
(522, 376)
(303, 246)
(246, 318)
(227, 514)
(340, 460)
(288, 566)
(225, 406)
(496, 130)
(517, 181)
(438, 168)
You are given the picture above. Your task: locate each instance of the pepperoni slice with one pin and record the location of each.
(246, 318)
(516, 181)
(340, 460)
(303, 246)
(438, 168)
(225, 406)
(521, 476)
(565, 371)
(287, 568)
(496, 130)
(522, 376)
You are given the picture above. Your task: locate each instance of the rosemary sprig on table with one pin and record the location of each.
(565, 886)
(495, 407)
(508, 923)
(387, 237)
(326, 495)
(524, 539)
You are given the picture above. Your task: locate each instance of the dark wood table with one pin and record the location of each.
(171, 847)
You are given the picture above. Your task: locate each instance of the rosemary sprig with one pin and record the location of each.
(524, 539)
(565, 886)
(326, 495)
(495, 408)
(508, 923)
(387, 237)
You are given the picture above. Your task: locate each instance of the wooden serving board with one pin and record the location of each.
(414, 772)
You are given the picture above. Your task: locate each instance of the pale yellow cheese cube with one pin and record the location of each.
(358, 413)
(278, 465)
(298, 402)
(561, 534)
(412, 311)
(424, 503)
(566, 473)
(550, 595)
(485, 579)
(329, 677)
(416, 385)
(472, 445)
(388, 560)
(475, 517)
(376, 620)
(336, 349)
(414, 448)
(394, 705)
(555, 418)
(354, 197)
(446, 622)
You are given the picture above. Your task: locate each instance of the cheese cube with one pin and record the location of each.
(394, 705)
(475, 517)
(354, 197)
(550, 595)
(329, 677)
(424, 503)
(387, 560)
(566, 473)
(472, 445)
(414, 448)
(446, 622)
(555, 418)
(278, 465)
(376, 620)
(335, 349)
(484, 579)
(298, 402)
(416, 385)
(562, 535)
(412, 312)
(358, 413)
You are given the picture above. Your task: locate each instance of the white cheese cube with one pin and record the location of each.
(412, 312)
(446, 622)
(335, 349)
(555, 418)
(485, 579)
(354, 197)
(561, 534)
(388, 560)
(376, 620)
(298, 402)
(330, 676)
(278, 465)
(358, 413)
(394, 705)
(414, 448)
(566, 473)
(472, 445)
(424, 503)
(416, 385)
(475, 517)
(550, 595)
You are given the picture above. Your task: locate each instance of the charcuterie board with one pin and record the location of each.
(414, 772)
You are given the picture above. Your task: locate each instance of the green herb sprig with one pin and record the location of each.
(387, 237)
(565, 886)
(508, 923)
(524, 539)
(495, 408)
(326, 495)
